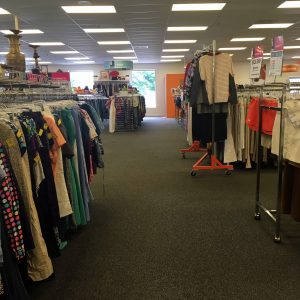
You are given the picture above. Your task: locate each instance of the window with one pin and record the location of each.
(82, 79)
(145, 82)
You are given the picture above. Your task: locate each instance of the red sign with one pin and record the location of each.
(60, 76)
(257, 52)
(278, 43)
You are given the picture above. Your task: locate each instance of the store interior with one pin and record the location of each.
(149, 149)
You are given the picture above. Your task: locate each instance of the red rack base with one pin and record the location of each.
(214, 165)
(194, 148)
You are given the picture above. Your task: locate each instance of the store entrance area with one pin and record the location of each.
(156, 233)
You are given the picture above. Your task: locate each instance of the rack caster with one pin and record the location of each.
(228, 173)
(183, 156)
(277, 239)
(193, 173)
(257, 216)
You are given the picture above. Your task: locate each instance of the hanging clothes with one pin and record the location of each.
(39, 264)
(72, 172)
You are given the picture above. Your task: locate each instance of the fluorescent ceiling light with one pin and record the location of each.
(170, 60)
(176, 50)
(64, 52)
(120, 51)
(104, 30)
(267, 54)
(231, 54)
(24, 31)
(29, 58)
(256, 39)
(77, 58)
(291, 47)
(249, 58)
(290, 4)
(104, 9)
(114, 43)
(6, 52)
(4, 11)
(40, 62)
(296, 57)
(180, 41)
(233, 49)
(270, 26)
(172, 56)
(80, 62)
(198, 6)
(125, 57)
(187, 28)
(48, 44)
(267, 57)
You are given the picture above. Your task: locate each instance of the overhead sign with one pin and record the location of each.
(256, 62)
(118, 65)
(276, 60)
(276, 63)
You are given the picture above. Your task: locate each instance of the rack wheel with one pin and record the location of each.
(257, 216)
(193, 173)
(228, 173)
(183, 156)
(277, 239)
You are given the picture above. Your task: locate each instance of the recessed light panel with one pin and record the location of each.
(233, 49)
(114, 43)
(255, 39)
(103, 30)
(187, 28)
(198, 6)
(125, 57)
(3, 53)
(172, 56)
(180, 41)
(40, 62)
(80, 62)
(120, 51)
(271, 26)
(291, 47)
(170, 60)
(77, 58)
(4, 11)
(48, 44)
(24, 31)
(64, 52)
(105, 9)
(290, 4)
(176, 50)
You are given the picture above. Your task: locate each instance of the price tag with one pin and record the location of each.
(59, 122)
(46, 126)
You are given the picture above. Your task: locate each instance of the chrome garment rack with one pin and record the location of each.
(273, 214)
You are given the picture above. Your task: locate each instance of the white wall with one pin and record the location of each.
(160, 69)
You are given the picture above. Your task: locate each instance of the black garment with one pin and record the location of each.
(14, 288)
(198, 89)
(46, 198)
(232, 90)
(202, 127)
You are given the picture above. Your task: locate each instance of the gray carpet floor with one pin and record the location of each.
(158, 233)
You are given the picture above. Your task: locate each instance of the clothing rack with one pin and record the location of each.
(273, 214)
(215, 164)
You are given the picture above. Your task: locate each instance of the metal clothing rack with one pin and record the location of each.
(273, 214)
(215, 164)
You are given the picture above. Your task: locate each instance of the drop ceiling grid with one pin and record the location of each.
(145, 23)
